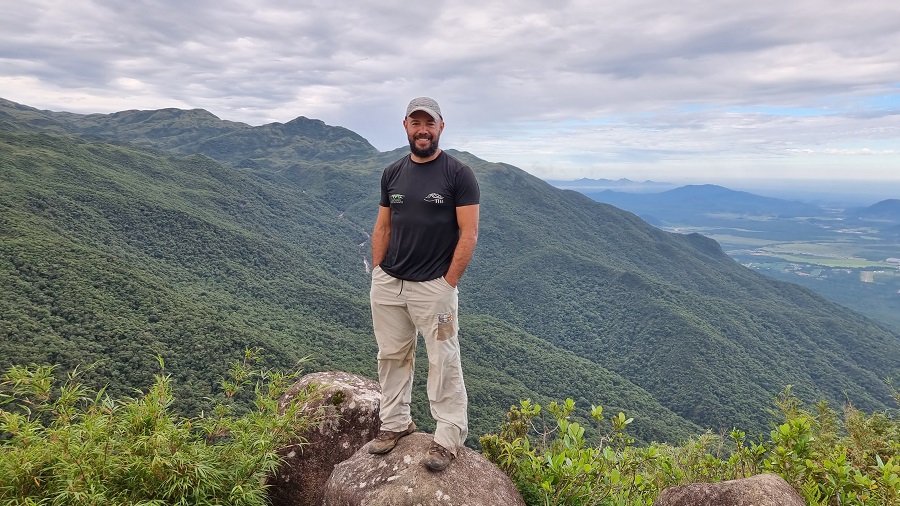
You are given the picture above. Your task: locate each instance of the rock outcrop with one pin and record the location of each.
(351, 404)
(399, 479)
(759, 490)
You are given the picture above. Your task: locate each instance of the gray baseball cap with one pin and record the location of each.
(426, 104)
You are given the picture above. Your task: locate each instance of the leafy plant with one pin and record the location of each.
(830, 461)
(68, 445)
(562, 468)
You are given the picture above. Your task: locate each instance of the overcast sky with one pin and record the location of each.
(676, 90)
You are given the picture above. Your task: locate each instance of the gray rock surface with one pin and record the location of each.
(351, 403)
(759, 490)
(399, 479)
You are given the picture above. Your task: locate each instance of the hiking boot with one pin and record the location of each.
(386, 440)
(438, 458)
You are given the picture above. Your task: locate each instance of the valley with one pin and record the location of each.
(848, 254)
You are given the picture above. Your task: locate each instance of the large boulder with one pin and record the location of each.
(351, 406)
(400, 479)
(759, 490)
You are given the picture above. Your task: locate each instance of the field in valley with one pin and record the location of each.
(857, 266)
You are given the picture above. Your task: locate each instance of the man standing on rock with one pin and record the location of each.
(424, 237)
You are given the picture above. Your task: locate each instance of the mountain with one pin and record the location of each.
(670, 312)
(695, 204)
(113, 254)
(115, 250)
(623, 184)
(883, 216)
(886, 210)
(198, 131)
(836, 251)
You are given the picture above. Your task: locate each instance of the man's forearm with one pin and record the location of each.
(380, 241)
(381, 236)
(461, 257)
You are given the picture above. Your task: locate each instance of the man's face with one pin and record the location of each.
(424, 133)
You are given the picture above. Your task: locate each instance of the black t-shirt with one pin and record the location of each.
(423, 198)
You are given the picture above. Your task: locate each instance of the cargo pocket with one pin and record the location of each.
(447, 326)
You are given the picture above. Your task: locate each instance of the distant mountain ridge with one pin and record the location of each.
(565, 296)
(587, 184)
(686, 203)
(655, 200)
(199, 131)
(887, 210)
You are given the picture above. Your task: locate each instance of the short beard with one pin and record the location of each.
(423, 153)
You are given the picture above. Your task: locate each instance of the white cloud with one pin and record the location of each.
(563, 89)
(863, 151)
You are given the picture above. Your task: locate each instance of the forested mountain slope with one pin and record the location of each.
(562, 289)
(709, 338)
(112, 255)
(198, 131)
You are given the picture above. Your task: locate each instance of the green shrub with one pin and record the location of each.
(68, 445)
(561, 468)
(829, 460)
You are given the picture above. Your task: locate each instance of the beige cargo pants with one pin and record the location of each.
(400, 310)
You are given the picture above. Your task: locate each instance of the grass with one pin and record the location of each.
(835, 263)
(838, 254)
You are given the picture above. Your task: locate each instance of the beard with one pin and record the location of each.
(427, 152)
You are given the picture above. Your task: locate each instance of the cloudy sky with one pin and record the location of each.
(683, 90)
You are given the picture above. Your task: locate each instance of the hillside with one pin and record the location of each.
(112, 255)
(118, 252)
(838, 252)
(886, 210)
(200, 132)
(670, 312)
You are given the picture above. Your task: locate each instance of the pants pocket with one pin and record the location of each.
(447, 325)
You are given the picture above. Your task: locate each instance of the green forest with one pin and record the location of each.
(171, 235)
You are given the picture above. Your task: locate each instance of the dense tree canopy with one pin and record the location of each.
(114, 253)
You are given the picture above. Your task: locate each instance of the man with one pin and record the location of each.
(424, 236)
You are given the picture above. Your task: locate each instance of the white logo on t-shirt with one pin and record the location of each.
(436, 198)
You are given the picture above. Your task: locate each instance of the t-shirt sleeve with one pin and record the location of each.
(467, 191)
(385, 200)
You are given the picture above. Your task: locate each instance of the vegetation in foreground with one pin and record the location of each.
(830, 458)
(67, 445)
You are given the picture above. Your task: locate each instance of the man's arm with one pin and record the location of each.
(467, 219)
(381, 235)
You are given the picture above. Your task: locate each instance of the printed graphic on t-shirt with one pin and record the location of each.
(397, 198)
(436, 198)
